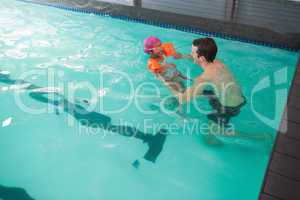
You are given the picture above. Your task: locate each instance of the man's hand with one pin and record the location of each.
(181, 56)
(169, 65)
(177, 56)
(189, 56)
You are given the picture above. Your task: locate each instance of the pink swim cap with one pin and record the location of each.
(149, 43)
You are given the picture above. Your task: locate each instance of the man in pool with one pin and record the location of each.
(225, 97)
(166, 72)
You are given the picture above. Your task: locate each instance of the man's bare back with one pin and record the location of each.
(225, 87)
(219, 85)
(225, 95)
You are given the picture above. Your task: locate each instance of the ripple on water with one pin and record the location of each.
(18, 34)
(74, 67)
(4, 88)
(43, 65)
(9, 42)
(6, 21)
(103, 92)
(41, 43)
(15, 53)
(22, 46)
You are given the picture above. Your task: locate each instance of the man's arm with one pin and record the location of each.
(182, 56)
(168, 65)
(195, 90)
(187, 56)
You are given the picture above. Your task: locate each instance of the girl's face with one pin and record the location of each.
(157, 50)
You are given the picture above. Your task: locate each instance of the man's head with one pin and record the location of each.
(152, 45)
(204, 50)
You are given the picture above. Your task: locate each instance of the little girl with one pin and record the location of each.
(166, 72)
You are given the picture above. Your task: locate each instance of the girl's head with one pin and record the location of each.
(152, 45)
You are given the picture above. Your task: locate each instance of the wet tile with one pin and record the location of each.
(282, 187)
(286, 166)
(288, 146)
(294, 101)
(267, 197)
(292, 114)
(290, 129)
(295, 88)
(297, 79)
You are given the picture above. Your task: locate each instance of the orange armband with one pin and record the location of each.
(168, 49)
(154, 65)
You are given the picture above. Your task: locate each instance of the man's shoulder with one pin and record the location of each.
(219, 63)
(205, 76)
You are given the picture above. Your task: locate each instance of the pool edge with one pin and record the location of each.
(282, 173)
(170, 21)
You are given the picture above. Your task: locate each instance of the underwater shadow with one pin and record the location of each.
(95, 119)
(14, 193)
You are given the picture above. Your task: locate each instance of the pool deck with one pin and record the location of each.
(282, 179)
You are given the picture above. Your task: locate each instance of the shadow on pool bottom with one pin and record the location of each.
(155, 142)
(14, 193)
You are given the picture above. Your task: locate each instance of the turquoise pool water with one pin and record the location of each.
(54, 156)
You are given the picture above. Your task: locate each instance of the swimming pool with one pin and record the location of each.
(55, 154)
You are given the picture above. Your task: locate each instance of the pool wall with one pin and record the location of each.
(210, 27)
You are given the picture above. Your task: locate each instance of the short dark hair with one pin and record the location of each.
(207, 48)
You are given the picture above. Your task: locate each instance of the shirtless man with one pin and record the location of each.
(226, 98)
(225, 95)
